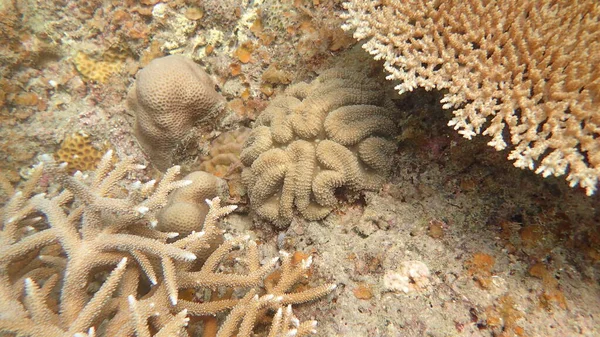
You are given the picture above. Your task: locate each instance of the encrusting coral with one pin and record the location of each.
(78, 152)
(96, 70)
(170, 96)
(224, 154)
(525, 72)
(85, 260)
(223, 159)
(336, 132)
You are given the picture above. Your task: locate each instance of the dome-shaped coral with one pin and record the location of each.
(187, 208)
(336, 132)
(170, 95)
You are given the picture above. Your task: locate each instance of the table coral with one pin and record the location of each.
(336, 132)
(170, 95)
(522, 72)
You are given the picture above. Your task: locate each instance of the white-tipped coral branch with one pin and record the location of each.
(90, 260)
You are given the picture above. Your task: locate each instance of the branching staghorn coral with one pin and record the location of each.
(85, 260)
(524, 72)
(336, 132)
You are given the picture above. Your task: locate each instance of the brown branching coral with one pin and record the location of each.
(336, 132)
(523, 72)
(170, 95)
(85, 260)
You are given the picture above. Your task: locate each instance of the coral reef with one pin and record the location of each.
(524, 72)
(315, 139)
(84, 259)
(457, 241)
(40, 44)
(170, 95)
(296, 38)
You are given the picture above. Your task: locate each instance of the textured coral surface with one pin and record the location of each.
(334, 133)
(95, 70)
(170, 95)
(523, 72)
(223, 158)
(79, 153)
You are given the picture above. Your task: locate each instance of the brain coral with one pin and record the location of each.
(336, 132)
(170, 95)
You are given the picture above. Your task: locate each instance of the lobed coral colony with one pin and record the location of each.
(317, 138)
(186, 207)
(93, 258)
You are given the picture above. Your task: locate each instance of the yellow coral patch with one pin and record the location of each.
(78, 152)
(96, 70)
